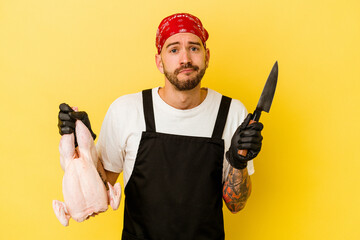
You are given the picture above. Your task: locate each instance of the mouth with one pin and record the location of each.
(187, 70)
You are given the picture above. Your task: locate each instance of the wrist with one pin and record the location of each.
(234, 162)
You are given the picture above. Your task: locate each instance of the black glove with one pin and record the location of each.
(67, 118)
(246, 137)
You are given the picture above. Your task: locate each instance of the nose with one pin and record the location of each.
(185, 57)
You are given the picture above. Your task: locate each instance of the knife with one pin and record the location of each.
(266, 98)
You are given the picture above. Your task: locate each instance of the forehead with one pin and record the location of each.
(182, 38)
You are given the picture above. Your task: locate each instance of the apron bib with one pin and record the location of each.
(175, 189)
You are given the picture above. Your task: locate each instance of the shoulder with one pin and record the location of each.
(128, 101)
(236, 115)
(123, 109)
(236, 106)
(214, 94)
(237, 112)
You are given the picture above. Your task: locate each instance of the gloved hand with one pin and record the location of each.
(67, 118)
(245, 137)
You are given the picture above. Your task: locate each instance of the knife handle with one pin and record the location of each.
(243, 152)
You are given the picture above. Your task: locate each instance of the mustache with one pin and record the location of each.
(186, 66)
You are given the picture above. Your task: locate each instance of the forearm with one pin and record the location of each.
(106, 176)
(102, 173)
(236, 189)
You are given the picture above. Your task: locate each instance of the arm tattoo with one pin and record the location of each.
(102, 173)
(236, 189)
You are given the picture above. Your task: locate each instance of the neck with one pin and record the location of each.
(182, 99)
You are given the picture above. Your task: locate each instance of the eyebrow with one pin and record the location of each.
(174, 43)
(195, 43)
(170, 44)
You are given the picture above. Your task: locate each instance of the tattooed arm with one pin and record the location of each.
(106, 176)
(236, 189)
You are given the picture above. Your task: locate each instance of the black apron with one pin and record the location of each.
(175, 189)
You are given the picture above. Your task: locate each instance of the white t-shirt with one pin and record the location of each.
(124, 123)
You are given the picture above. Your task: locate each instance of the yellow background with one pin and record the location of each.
(87, 53)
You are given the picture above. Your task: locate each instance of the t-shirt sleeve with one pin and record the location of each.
(109, 147)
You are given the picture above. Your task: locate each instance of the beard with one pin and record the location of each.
(188, 84)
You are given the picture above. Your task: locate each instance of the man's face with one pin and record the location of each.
(183, 60)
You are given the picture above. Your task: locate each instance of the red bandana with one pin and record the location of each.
(179, 23)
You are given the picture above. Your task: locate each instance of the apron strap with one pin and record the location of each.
(219, 124)
(148, 110)
(221, 117)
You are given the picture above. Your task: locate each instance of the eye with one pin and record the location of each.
(194, 49)
(174, 50)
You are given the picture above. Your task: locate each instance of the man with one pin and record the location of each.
(170, 143)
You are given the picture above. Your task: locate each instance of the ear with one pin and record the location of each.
(207, 57)
(159, 63)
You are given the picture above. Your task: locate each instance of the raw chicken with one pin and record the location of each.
(84, 191)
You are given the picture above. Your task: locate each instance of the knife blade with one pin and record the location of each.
(266, 98)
